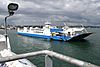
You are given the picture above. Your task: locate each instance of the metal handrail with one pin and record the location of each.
(51, 54)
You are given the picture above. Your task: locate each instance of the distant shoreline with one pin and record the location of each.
(60, 26)
(15, 27)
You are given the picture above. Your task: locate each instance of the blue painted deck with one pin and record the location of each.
(34, 35)
(62, 38)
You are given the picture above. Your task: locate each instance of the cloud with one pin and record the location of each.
(33, 11)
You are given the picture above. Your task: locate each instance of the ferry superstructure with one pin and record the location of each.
(53, 33)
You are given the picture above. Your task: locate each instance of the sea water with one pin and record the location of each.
(87, 50)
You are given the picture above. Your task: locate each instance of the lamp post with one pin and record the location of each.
(12, 7)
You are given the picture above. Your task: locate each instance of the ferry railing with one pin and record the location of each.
(51, 54)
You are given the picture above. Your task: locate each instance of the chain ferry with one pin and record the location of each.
(53, 33)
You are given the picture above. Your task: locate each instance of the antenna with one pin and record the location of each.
(84, 28)
(66, 26)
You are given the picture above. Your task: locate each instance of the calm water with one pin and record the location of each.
(88, 50)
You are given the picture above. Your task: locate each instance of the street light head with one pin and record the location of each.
(12, 7)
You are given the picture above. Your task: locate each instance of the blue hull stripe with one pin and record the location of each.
(62, 38)
(34, 35)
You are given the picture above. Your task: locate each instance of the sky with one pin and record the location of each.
(37, 12)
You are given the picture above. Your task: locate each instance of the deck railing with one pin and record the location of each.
(51, 54)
